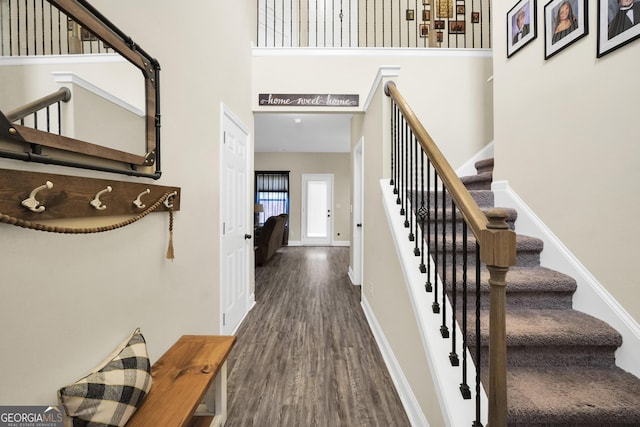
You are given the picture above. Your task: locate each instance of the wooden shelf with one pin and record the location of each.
(71, 196)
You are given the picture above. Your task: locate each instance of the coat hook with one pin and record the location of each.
(96, 203)
(138, 202)
(31, 203)
(170, 197)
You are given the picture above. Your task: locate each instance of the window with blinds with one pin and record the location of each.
(271, 194)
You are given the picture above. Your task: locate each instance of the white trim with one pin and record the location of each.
(102, 58)
(369, 52)
(469, 167)
(226, 112)
(342, 243)
(456, 411)
(385, 71)
(408, 399)
(69, 77)
(590, 297)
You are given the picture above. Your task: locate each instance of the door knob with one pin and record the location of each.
(359, 225)
(247, 236)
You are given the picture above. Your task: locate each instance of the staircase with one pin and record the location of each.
(561, 367)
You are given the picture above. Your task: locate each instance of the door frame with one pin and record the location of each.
(358, 214)
(225, 112)
(306, 241)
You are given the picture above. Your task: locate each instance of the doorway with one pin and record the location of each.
(358, 205)
(317, 209)
(236, 226)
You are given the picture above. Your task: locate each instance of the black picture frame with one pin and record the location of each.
(424, 30)
(438, 24)
(612, 36)
(456, 27)
(410, 15)
(565, 22)
(516, 40)
(475, 17)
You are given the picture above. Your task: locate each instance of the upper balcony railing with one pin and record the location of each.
(374, 23)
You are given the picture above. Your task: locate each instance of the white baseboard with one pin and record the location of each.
(334, 243)
(352, 276)
(590, 297)
(409, 401)
(455, 410)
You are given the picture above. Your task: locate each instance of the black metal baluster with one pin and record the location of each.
(423, 213)
(464, 386)
(48, 116)
(410, 188)
(401, 164)
(477, 422)
(18, 37)
(453, 356)
(59, 119)
(405, 195)
(393, 144)
(414, 198)
(444, 330)
(396, 190)
(428, 286)
(436, 250)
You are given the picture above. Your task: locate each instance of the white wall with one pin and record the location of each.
(68, 300)
(570, 148)
(301, 163)
(448, 89)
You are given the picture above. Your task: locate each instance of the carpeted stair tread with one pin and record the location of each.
(524, 279)
(547, 396)
(556, 327)
(484, 165)
(480, 181)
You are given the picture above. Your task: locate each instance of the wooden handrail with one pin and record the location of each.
(465, 203)
(497, 250)
(63, 94)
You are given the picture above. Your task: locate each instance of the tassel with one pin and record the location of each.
(170, 254)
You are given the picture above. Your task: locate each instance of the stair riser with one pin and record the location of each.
(541, 300)
(554, 356)
(524, 258)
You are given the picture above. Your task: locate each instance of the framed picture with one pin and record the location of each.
(411, 15)
(521, 25)
(475, 17)
(445, 8)
(424, 30)
(615, 29)
(565, 21)
(438, 24)
(460, 9)
(456, 27)
(86, 36)
(426, 15)
(439, 36)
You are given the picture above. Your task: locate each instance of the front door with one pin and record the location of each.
(234, 208)
(317, 205)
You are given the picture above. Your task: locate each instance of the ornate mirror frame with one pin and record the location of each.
(93, 156)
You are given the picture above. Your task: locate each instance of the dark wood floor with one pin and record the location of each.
(305, 355)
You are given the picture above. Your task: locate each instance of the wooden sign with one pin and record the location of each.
(307, 100)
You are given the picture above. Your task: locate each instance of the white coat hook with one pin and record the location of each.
(96, 203)
(138, 201)
(31, 203)
(169, 198)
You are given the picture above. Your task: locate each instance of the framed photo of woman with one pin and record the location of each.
(618, 24)
(521, 25)
(565, 21)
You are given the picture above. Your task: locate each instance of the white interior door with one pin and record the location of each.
(358, 205)
(317, 209)
(235, 214)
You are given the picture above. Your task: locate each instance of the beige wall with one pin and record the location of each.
(383, 284)
(302, 163)
(571, 150)
(447, 89)
(68, 300)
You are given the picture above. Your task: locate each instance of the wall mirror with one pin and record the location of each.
(109, 118)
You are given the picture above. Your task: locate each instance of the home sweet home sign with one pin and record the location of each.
(307, 100)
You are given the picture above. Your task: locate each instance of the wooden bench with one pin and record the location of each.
(189, 384)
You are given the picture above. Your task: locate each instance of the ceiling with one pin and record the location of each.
(301, 132)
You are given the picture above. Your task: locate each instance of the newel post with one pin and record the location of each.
(498, 252)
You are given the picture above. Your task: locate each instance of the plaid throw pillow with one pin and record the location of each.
(110, 394)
